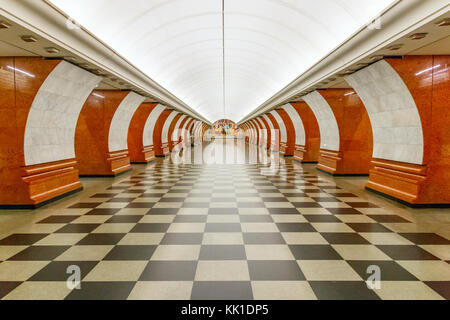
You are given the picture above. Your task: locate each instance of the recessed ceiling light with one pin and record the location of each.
(444, 23)
(418, 36)
(28, 38)
(395, 47)
(377, 57)
(51, 50)
(4, 25)
(70, 58)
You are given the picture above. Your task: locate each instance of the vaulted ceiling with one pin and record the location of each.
(223, 58)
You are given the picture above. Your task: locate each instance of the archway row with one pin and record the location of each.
(392, 124)
(55, 125)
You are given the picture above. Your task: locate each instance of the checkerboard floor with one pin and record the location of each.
(224, 232)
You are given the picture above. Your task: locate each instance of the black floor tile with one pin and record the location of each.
(162, 211)
(321, 218)
(169, 271)
(150, 227)
(344, 238)
(59, 219)
(124, 219)
(85, 205)
(275, 270)
(425, 238)
(182, 238)
(102, 291)
(314, 252)
(306, 205)
(387, 218)
(39, 253)
(131, 252)
(7, 286)
(78, 228)
(222, 290)
(58, 270)
(102, 212)
(263, 238)
(368, 227)
(283, 211)
(22, 239)
(405, 252)
(441, 287)
(389, 270)
(101, 239)
(295, 227)
(223, 227)
(342, 290)
(140, 205)
(222, 252)
(343, 211)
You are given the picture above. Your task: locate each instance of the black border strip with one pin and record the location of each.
(38, 205)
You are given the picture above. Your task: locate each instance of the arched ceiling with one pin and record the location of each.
(223, 58)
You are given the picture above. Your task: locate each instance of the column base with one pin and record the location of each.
(401, 181)
(119, 162)
(302, 155)
(40, 184)
(146, 155)
(334, 163)
(162, 151)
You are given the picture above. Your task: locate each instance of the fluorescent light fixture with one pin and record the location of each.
(21, 71)
(428, 69)
(349, 93)
(223, 62)
(98, 95)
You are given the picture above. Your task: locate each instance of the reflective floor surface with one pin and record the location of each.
(225, 226)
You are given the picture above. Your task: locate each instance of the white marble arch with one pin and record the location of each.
(300, 136)
(118, 130)
(254, 132)
(272, 128)
(185, 133)
(196, 130)
(283, 133)
(328, 127)
(53, 116)
(265, 130)
(262, 132)
(150, 125)
(177, 131)
(396, 126)
(165, 129)
(248, 132)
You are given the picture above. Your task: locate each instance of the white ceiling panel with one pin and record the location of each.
(223, 72)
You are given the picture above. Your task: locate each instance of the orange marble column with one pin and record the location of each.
(161, 150)
(92, 136)
(428, 183)
(137, 151)
(355, 132)
(309, 153)
(290, 131)
(32, 183)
